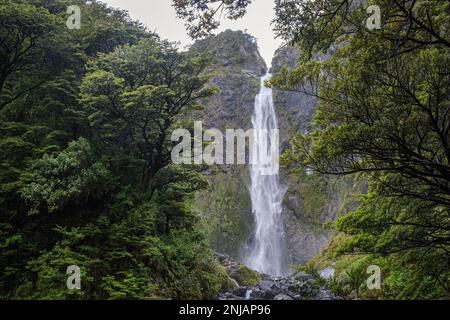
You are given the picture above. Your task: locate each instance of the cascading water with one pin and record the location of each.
(266, 253)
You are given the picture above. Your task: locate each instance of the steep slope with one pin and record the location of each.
(236, 68)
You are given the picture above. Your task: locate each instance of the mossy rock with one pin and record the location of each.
(227, 284)
(245, 276)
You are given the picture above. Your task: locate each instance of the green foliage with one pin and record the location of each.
(70, 178)
(66, 197)
(225, 212)
(123, 257)
(134, 95)
(24, 30)
(201, 16)
(383, 113)
(175, 190)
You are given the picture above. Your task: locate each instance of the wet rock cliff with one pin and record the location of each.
(311, 201)
(236, 68)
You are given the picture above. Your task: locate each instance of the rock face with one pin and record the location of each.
(236, 68)
(296, 110)
(304, 232)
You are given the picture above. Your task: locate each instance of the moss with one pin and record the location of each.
(225, 212)
(314, 192)
(216, 281)
(246, 276)
(228, 284)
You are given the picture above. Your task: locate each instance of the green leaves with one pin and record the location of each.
(69, 178)
(383, 113)
(85, 125)
(136, 94)
(201, 15)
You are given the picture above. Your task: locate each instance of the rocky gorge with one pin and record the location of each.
(311, 201)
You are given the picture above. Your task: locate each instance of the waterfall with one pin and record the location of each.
(266, 253)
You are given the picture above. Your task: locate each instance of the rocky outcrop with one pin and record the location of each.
(305, 235)
(236, 67)
(298, 286)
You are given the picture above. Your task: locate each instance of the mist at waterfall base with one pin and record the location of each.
(266, 252)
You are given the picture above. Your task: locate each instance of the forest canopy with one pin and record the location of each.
(85, 178)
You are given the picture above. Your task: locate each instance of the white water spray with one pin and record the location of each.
(267, 253)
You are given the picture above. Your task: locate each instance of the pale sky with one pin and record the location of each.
(159, 16)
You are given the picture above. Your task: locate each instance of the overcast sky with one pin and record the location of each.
(159, 16)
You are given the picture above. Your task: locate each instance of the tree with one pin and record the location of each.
(71, 178)
(136, 94)
(36, 45)
(384, 112)
(201, 15)
(65, 198)
(38, 51)
(176, 186)
(24, 31)
(406, 25)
